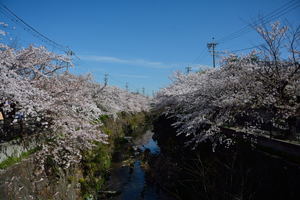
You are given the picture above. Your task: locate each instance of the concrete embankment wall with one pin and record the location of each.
(16, 147)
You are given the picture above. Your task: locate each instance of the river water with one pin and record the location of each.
(130, 181)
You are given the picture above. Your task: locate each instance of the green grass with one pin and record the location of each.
(14, 159)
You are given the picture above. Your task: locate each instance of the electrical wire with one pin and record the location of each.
(289, 6)
(244, 49)
(200, 56)
(12, 16)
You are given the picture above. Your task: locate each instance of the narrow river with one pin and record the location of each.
(129, 176)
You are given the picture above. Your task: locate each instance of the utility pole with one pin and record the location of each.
(70, 53)
(212, 46)
(143, 91)
(188, 69)
(126, 86)
(105, 79)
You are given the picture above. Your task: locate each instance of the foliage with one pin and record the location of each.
(96, 163)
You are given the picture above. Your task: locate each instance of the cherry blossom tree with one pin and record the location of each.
(38, 83)
(255, 91)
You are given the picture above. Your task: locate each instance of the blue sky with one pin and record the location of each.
(140, 41)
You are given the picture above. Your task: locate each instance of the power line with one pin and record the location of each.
(110, 77)
(269, 17)
(200, 56)
(265, 20)
(10, 14)
(244, 49)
